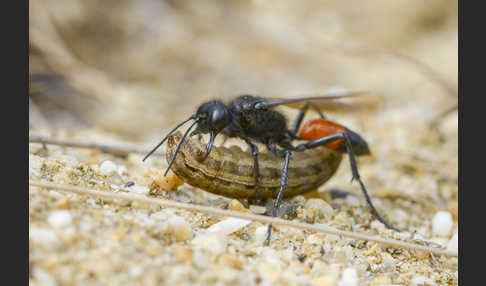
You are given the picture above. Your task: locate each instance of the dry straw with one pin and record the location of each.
(220, 212)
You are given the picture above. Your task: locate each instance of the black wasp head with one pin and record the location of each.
(213, 117)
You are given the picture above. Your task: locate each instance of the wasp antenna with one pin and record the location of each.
(167, 136)
(209, 147)
(179, 146)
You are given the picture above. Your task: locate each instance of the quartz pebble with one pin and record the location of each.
(108, 168)
(214, 243)
(320, 207)
(138, 189)
(261, 233)
(180, 228)
(377, 225)
(349, 277)
(453, 243)
(60, 219)
(63, 203)
(257, 209)
(421, 280)
(43, 236)
(43, 277)
(236, 205)
(228, 226)
(442, 223)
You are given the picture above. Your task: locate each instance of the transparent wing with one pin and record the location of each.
(339, 100)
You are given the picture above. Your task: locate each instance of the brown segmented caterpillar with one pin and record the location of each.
(228, 171)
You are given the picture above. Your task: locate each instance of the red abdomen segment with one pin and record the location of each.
(318, 128)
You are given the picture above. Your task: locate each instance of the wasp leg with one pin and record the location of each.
(354, 167)
(283, 186)
(256, 169)
(300, 117)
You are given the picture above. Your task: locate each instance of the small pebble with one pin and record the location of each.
(315, 238)
(60, 219)
(320, 207)
(63, 203)
(387, 262)
(228, 226)
(327, 280)
(138, 189)
(43, 277)
(182, 253)
(43, 236)
(257, 209)
(180, 228)
(214, 243)
(236, 205)
(453, 243)
(421, 280)
(377, 225)
(261, 233)
(442, 223)
(231, 261)
(108, 168)
(353, 201)
(349, 277)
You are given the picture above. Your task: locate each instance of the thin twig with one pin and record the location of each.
(263, 219)
(116, 150)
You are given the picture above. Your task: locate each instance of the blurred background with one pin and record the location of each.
(135, 68)
(125, 72)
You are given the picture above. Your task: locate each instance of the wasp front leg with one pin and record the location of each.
(256, 169)
(283, 186)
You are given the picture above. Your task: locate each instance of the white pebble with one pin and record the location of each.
(442, 223)
(138, 189)
(43, 236)
(353, 201)
(43, 277)
(261, 233)
(201, 260)
(136, 271)
(228, 226)
(180, 228)
(349, 277)
(60, 219)
(453, 243)
(388, 262)
(377, 225)
(257, 209)
(421, 280)
(214, 243)
(322, 208)
(108, 168)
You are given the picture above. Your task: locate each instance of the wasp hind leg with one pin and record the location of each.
(354, 167)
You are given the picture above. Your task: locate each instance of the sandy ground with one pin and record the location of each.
(125, 73)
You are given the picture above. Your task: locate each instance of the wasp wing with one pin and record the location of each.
(341, 100)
